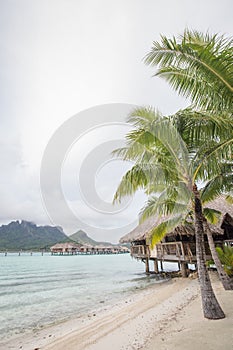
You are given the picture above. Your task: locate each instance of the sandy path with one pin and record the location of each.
(130, 327)
(149, 316)
(190, 330)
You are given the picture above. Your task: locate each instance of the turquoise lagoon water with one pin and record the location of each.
(37, 290)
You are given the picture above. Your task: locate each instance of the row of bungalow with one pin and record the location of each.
(71, 248)
(179, 245)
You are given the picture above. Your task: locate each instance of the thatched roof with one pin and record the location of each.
(227, 220)
(142, 231)
(66, 245)
(223, 206)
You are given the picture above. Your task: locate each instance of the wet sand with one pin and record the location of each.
(166, 316)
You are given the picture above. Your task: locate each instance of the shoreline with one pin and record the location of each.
(110, 318)
(167, 314)
(64, 325)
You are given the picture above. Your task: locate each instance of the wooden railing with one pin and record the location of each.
(170, 249)
(138, 251)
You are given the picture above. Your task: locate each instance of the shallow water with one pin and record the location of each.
(39, 290)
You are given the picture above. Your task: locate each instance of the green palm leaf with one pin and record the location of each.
(229, 198)
(160, 231)
(212, 215)
(198, 66)
(220, 184)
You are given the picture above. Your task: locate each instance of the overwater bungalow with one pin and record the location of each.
(179, 245)
(78, 249)
(86, 249)
(65, 249)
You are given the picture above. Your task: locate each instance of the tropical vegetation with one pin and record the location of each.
(226, 257)
(174, 155)
(28, 236)
(198, 66)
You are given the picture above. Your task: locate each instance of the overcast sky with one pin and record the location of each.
(61, 57)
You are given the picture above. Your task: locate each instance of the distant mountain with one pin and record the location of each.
(82, 238)
(28, 236)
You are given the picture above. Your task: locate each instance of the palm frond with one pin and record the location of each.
(154, 130)
(209, 159)
(134, 179)
(172, 200)
(201, 127)
(226, 258)
(198, 66)
(161, 206)
(212, 215)
(160, 231)
(220, 184)
(141, 117)
(229, 198)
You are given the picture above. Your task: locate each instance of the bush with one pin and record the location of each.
(226, 258)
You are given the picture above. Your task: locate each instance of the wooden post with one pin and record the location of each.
(156, 268)
(147, 265)
(184, 269)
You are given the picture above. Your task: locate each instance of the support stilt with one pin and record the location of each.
(184, 267)
(147, 265)
(156, 268)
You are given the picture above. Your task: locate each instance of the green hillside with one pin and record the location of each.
(28, 236)
(82, 238)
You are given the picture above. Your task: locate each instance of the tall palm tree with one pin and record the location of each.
(165, 165)
(198, 66)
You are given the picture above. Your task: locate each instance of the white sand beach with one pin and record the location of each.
(166, 316)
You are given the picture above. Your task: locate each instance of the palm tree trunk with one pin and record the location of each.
(225, 279)
(210, 305)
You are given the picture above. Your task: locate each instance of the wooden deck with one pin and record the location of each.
(170, 251)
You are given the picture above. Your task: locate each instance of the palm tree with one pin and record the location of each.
(198, 66)
(164, 165)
